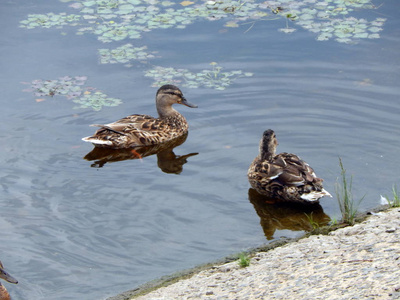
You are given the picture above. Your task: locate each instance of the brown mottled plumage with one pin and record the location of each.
(4, 295)
(283, 176)
(144, 130)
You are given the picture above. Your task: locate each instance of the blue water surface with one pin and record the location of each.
(73, 231)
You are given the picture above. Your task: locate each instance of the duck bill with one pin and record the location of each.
(7, 277)
(187, 103)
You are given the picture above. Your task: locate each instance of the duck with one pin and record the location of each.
(144, 130)
(285, 176)
(4, 295)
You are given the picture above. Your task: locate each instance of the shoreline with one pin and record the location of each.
(224, 279)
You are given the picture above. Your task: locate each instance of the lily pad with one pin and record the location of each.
(72, 88)
(50, 20)
(130, 18)
(328, 16)
(124, 54)
(96, 101)
(214, 78)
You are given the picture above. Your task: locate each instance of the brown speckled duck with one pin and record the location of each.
(4, 295)
(283, 176)
(144, 130)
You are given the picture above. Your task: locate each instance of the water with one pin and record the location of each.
(71, 230)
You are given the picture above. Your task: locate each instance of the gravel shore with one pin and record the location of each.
(357, 262)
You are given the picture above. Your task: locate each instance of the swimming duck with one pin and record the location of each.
(283, 176)
(4, 295)
(144, 130)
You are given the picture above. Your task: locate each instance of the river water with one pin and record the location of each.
(79, 229)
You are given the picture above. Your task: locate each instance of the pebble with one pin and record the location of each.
(357, 262)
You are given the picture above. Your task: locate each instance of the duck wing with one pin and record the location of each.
(269, 171)
(296, 171)
(134, 123)
(131, 131)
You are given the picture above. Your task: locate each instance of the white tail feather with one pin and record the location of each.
(314, 196)
(96, 141)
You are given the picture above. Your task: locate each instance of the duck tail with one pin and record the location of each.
(315, 195)
(93, 140)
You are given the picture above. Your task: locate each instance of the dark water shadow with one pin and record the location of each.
(167, 160)
(284, 215)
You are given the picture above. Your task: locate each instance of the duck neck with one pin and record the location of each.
(165, 110)
(267, 152)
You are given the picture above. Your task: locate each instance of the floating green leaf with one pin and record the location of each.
(124, 54)
(72, 88)
(96, 101)
(49, 20)
(328, 16)
(115, 20)
(213, 78)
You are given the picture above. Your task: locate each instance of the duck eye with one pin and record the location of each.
(174, 94)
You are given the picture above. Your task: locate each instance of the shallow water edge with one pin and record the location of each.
(186, 274)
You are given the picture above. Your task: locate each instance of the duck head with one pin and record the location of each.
(4, 295)
(268, 144)
(166, 96)
(6, 276)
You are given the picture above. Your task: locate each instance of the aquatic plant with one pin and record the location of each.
(314, 224)
(328, 18)
(214, 78)
(244, 260)
(95, 100)
(72, 88)
(396, 197)
(343, 188)
(50, 20)
(124, 54)
(333, 222)
(117, 20)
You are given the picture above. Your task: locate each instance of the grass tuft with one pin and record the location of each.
(244, 260)
(333, 222)
(396, 198)
(314, 224)
(343, 187)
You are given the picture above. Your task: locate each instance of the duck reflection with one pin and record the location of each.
(167, 160)
(285, 215)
